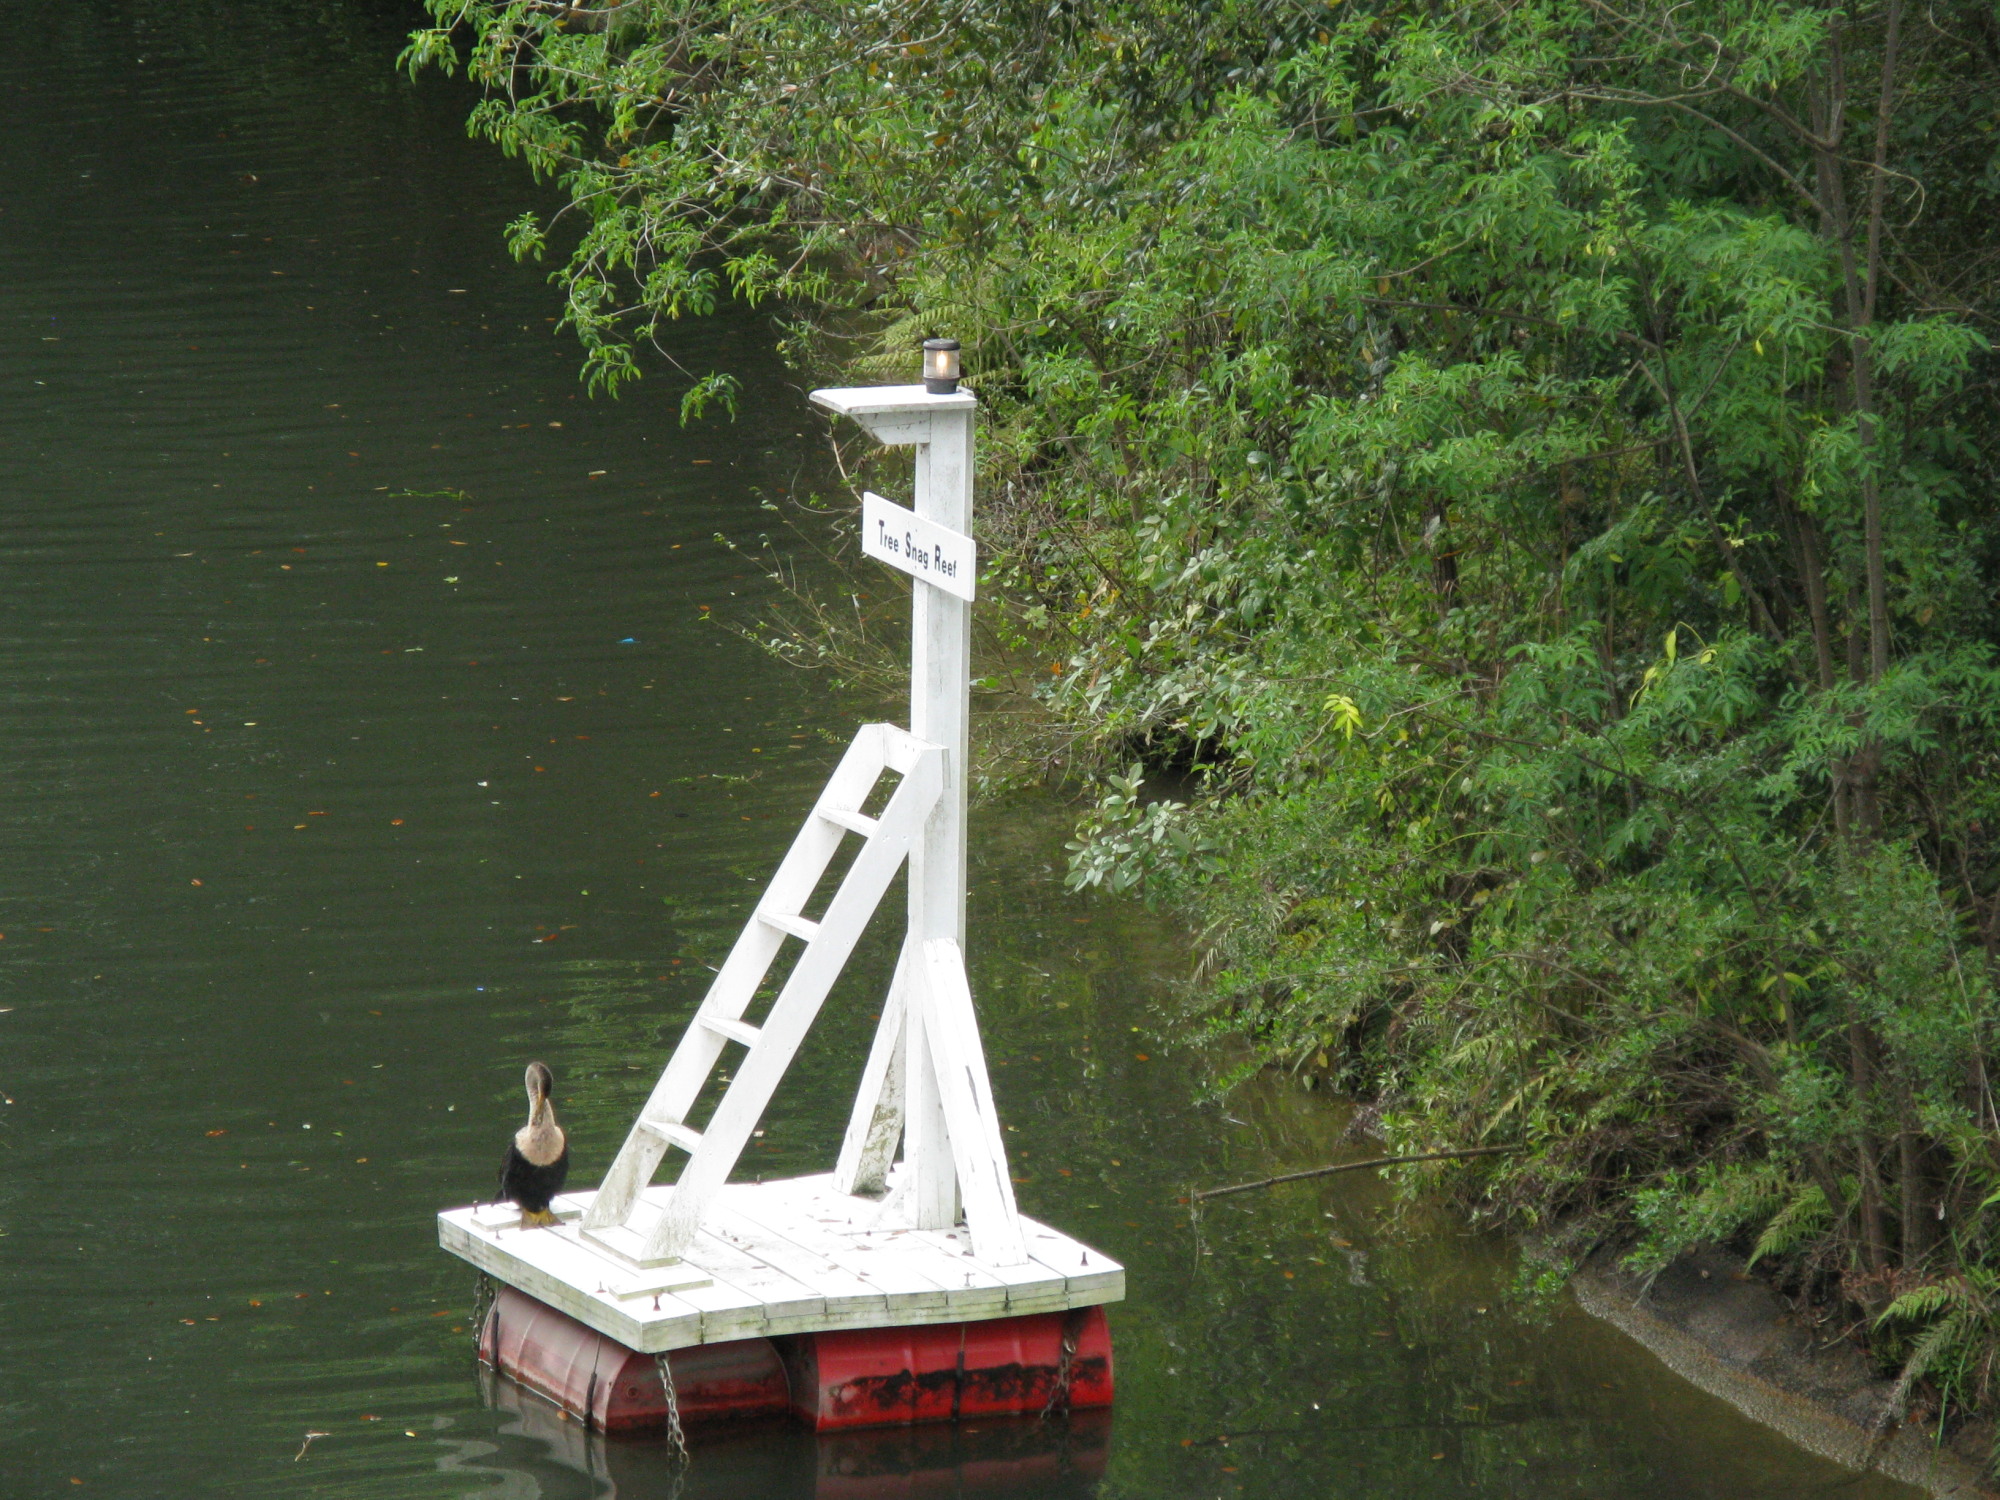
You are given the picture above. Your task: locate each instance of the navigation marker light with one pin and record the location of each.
(941, 366)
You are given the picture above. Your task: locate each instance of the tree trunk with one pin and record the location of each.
(1913, 1190)
(1804, 532)
(1874, 1223)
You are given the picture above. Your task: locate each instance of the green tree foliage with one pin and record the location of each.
(1524, 469)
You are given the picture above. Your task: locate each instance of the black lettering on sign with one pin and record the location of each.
(932, 553)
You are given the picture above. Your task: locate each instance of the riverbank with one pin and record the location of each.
(1716, 1325)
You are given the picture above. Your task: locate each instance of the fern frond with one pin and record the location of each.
(1928, 1354)
(1922, 1302)
(1805, 1216)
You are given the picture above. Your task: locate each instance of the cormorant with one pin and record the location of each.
(538, 1156)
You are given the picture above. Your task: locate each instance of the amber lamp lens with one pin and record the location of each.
(941, 366)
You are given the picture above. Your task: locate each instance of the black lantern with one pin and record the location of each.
(941, 366)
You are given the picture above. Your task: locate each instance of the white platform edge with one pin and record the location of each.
(886, 400)
(784, 1257)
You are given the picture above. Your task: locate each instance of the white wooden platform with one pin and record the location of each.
(795, 1256)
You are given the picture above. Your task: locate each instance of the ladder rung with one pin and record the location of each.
(800, 927)
(853, 822)
(740, 1032)
(672, 1132)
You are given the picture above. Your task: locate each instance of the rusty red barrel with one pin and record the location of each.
(834, 1381)
(614, 1389)
(885, 1377)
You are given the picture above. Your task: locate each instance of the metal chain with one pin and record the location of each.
(483, 1293)
(1058, 1402)
(676, 1437)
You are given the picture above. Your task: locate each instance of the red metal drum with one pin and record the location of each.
(611, 1388)
(887, 1377)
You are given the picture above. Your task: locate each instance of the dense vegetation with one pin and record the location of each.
(1523, 471)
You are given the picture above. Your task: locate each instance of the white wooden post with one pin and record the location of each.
(930, 1004)
(940, 698)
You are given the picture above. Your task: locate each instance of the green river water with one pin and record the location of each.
(364, 731)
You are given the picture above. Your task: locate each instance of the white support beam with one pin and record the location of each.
(929, 1189)
(965, 1095)
(875, 1127)
(940, 429)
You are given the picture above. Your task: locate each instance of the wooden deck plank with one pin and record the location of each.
(956, 1246)
(1087, 1271)
(567, 1278)
(1059, 1260)
(1064, 1273)
(787, 1296)
(815, 1268)
(729, 1312)
(914, 1270)
(912, 1282)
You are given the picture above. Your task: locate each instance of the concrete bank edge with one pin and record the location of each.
(1725, 1332)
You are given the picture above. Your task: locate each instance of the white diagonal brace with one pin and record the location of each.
(927, 1189)
(977, 1151)
(876, 1123)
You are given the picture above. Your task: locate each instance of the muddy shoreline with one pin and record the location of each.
(1716, 1325)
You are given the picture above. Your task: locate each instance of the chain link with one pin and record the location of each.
(676, 1437)
(1058, 1402)
(483, 1293)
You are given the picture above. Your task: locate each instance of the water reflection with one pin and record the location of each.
(995, 1460)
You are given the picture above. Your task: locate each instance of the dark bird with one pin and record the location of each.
(538, 1157)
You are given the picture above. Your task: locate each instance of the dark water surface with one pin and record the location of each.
(361, 735)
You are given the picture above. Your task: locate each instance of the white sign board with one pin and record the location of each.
(923, 549)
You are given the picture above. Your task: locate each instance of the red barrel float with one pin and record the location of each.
(604, 1385)
(890, 1377)
(834, 1381)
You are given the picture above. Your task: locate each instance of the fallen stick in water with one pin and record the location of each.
(1353, 1166)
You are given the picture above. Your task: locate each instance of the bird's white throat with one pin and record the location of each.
(540, 1141)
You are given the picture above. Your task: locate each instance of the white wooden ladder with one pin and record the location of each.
(768, 1049)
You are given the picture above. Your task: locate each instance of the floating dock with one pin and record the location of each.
(827, 1277)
